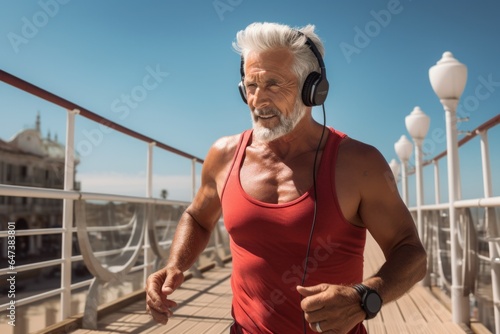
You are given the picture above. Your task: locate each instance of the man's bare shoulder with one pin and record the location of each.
(358, 151)
(224, 147)
(220, 155)
(364, 166)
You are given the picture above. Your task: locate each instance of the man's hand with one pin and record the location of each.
(158, 286)
(336, 308)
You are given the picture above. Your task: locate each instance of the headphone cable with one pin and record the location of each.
(315, 210)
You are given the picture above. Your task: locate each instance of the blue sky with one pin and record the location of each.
(101, 55)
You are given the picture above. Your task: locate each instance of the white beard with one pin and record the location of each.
(286, 125)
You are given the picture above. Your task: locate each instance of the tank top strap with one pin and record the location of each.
(240, 151)
(238, 155)
(328, 159)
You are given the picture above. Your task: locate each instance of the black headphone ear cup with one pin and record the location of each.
(243, 92)
(308, 90)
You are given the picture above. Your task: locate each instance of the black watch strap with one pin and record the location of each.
(371, 302)
(360, 289)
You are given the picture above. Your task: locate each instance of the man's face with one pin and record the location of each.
(272, 93)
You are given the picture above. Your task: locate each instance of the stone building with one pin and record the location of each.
(29, 159)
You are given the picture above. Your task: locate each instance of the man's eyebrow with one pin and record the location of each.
(271, 80)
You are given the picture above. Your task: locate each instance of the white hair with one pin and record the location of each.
(266, 36)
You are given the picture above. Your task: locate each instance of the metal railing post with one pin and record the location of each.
(437, 187)
(193, 178)
(493, 248)
(148, 256)
(67, 218)
(485, 161)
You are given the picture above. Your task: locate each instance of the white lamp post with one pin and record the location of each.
(395, 169)
(448, 78)
(403, 148)
(417, 124)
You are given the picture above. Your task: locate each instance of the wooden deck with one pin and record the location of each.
(204, 307)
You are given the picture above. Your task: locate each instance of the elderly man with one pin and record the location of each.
(297, 199)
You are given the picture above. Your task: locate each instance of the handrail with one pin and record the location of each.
(57, 100)
(478, 202)
(24, 191)
(483, 127)
(464, 203)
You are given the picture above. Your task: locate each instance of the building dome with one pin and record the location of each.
(29, 141)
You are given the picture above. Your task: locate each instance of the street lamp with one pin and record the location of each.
(417, 124)
(403, 148)
(448, 78)
(395, 169)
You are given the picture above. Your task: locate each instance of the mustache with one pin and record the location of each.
(267, 112)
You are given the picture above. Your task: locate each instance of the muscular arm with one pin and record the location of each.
(193, 231)
(195, 226)
(368, 196)
(388, 220)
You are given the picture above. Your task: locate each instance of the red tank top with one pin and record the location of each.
(269, 244)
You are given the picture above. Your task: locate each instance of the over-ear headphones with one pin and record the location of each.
(315, 89)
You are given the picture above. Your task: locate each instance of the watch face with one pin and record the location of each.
(373, 303)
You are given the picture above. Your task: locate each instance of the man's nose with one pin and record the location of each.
(260, 99)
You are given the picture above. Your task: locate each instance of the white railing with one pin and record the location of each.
(141, 226)
(479, 240)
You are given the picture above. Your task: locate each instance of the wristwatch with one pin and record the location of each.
(370, 300)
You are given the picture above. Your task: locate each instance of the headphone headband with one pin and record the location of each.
(316, 53)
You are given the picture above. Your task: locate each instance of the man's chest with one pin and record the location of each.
(272, 180)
